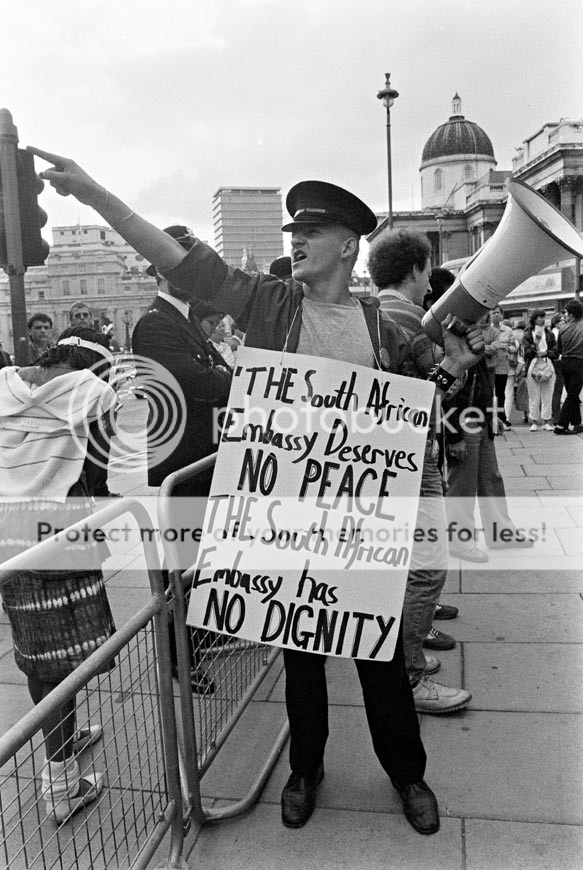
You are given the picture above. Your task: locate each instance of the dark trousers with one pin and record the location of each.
(500, 389)
(389, 705)
(187, 507)
(557, 389)
(573, 377)
(59, 727)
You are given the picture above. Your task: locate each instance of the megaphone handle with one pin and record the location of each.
(455, 301)
(458, 327)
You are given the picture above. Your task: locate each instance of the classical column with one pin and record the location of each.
(578, 203)
(566, 188)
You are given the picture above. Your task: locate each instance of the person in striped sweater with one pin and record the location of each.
(59, 614)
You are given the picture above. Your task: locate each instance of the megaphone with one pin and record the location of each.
(531, 235)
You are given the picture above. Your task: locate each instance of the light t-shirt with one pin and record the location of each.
(335, 332)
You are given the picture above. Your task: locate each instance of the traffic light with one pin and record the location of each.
(32, 217)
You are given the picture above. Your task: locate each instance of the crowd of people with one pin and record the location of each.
(303, 305)
(525, 367)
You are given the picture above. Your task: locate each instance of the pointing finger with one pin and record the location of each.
(48, 156)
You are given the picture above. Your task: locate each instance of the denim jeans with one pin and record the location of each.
(477, 475)
(428, 568)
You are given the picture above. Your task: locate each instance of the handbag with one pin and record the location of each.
(521, 398)
(541, 369)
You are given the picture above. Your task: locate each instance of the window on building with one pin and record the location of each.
(66, 288)
(41, 294)
(438, 180)
(83, 286)
(101, 285)
(468, 172)
(102, 235)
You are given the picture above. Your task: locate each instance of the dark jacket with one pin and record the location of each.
(529, 345)
(570, 343)
(476, 394)
(269, 310)
(181, 348)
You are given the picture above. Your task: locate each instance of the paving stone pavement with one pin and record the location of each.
(508, 771)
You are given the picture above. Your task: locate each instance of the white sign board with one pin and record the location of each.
(309, 525)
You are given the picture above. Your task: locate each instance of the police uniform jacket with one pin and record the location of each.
(180, 346)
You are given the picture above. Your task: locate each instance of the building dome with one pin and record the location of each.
(457, 137)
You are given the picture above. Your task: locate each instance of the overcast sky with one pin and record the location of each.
(164, 101)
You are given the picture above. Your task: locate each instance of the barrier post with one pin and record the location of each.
(194, 769)
(170, 818)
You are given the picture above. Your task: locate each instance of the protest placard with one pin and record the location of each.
(309, 526)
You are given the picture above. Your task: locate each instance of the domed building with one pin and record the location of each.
(463, 198)
(456, 154)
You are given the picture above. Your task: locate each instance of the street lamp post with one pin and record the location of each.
(127, 320)
(440, 217)
(388, 95)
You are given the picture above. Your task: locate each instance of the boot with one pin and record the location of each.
(65, 792)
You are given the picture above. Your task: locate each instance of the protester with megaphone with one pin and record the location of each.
(303, 316)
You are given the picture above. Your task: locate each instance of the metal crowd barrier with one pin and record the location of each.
(236, 667)
(141, 801)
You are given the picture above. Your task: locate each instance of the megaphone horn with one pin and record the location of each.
(531, 235)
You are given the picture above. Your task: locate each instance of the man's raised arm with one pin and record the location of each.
(69, 179)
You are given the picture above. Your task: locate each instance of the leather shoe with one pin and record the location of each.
(420, 805)
(298, 798)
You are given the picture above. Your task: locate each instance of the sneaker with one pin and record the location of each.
(470, 554)
(445, 611)
(432, 664)
(438, 640)
(560, 430)
(533, 428)
(86, 737)
(548, 428)
(90, 787)
(432, 697)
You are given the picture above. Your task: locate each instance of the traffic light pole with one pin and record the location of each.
(14, 262)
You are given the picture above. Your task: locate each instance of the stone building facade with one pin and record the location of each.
(91, 264)
(464, 194)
